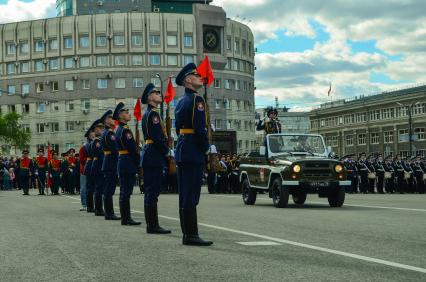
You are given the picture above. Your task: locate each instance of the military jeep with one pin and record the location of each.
(293, 164)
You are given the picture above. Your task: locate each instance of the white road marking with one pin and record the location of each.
(259, 243)
(320, 203)
(303, 245)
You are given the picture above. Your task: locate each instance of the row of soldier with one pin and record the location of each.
(373, 173)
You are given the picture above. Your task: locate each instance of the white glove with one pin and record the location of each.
(266, 120)
(212, 150)
(171, 154)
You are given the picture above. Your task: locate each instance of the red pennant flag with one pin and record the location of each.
(170, 92)
(137, 111)
(205, 71)
(116, 122)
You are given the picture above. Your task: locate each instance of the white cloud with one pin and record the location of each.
(16, 10)
(397, 26)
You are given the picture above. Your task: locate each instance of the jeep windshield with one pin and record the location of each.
(305, 144)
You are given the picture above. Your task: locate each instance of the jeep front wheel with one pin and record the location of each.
(337, 198)
(299, 198)
(280, 194)
(249, 194)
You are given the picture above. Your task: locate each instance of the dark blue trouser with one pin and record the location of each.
(127, 181)
(189, 184)
(110, 183)
(42, 179)
(153, 177)
(90, 184)
(99, 181)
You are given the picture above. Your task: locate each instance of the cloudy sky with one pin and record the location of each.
(360, 47)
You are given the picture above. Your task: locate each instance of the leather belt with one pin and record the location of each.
(186, 131)
(107, 152)
(95, 158)
(88, 159)
(149, 141)
(123, 152)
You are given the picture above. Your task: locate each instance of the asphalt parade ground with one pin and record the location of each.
(371, 238)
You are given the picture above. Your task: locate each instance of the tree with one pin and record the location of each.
(12, 133)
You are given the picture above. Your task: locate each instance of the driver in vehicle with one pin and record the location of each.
(302, 145)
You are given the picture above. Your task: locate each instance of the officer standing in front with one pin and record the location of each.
(41, 169)
(90, 185)
(153, 157)
(25, 170)
(128, 162)
(191, 152)
(96, 171)
(109, 164)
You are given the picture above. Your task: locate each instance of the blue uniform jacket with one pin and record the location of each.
(88, 165)
(109, 143)
(190, 113)
(128, 162)
(98, 156)
(154, 155)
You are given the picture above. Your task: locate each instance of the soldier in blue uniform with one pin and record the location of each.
(96, 172)
(90, 185)
(153, 157)
(352, 170)
(191, 152)
(128, 162)
(109, 164)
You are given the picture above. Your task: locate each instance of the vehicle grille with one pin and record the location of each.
(317, 170)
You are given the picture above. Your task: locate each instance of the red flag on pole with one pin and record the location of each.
(329, 90)
(137, 111)
(170, 92)
(205, 71)
(116, 122)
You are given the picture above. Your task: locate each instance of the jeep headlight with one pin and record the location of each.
(338, 168)
(297, 168)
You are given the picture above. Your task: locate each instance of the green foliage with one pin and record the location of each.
(11, 132)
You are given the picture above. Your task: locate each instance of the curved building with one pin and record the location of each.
(62, 73)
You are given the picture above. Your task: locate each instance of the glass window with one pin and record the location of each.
(101, 61)
(171, 40)
(54, 64)
(69, 105)
(84, 62)
(136, 40)
(237, 45)
(10, 48)
(102, 83)
(39, 87)
(188, 59)
(25, 89)
(218, 101)
(228, 43)
(84, 41)
(388, 136)
(69, 85)
(403, 135)
(11, 69)
(120, 83)
(85, 104)
(55, 86)
(69, 63)
(69, 125)
(85, 84)
(40, 126)
(11, 89)
(218, 124)
(154, 60)
(217, 83)
(24, 47)
(119, 60)
(38, 45)
(237, 85)
(25, 67)
(137, 82)
(154, 40)
(187, 40)
(156, 81)
(227, 84)
(41, 107)
(100, 41)
(119, 40)
(39, 66)
(419, 134)
(54, 107)
(137, 60)
(375, 138)
(53, 44)
(362, 139)
(172, 60)
(67, 42)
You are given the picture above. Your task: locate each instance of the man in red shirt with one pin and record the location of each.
(40, 171)
(25, 167)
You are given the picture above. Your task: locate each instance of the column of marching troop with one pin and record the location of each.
(386, 175)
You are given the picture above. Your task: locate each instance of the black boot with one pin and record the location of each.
(98, 205)
(126, 218)
(151, 218)
(109, 210)
(182, 226)
(89, 202)
(191, 229)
